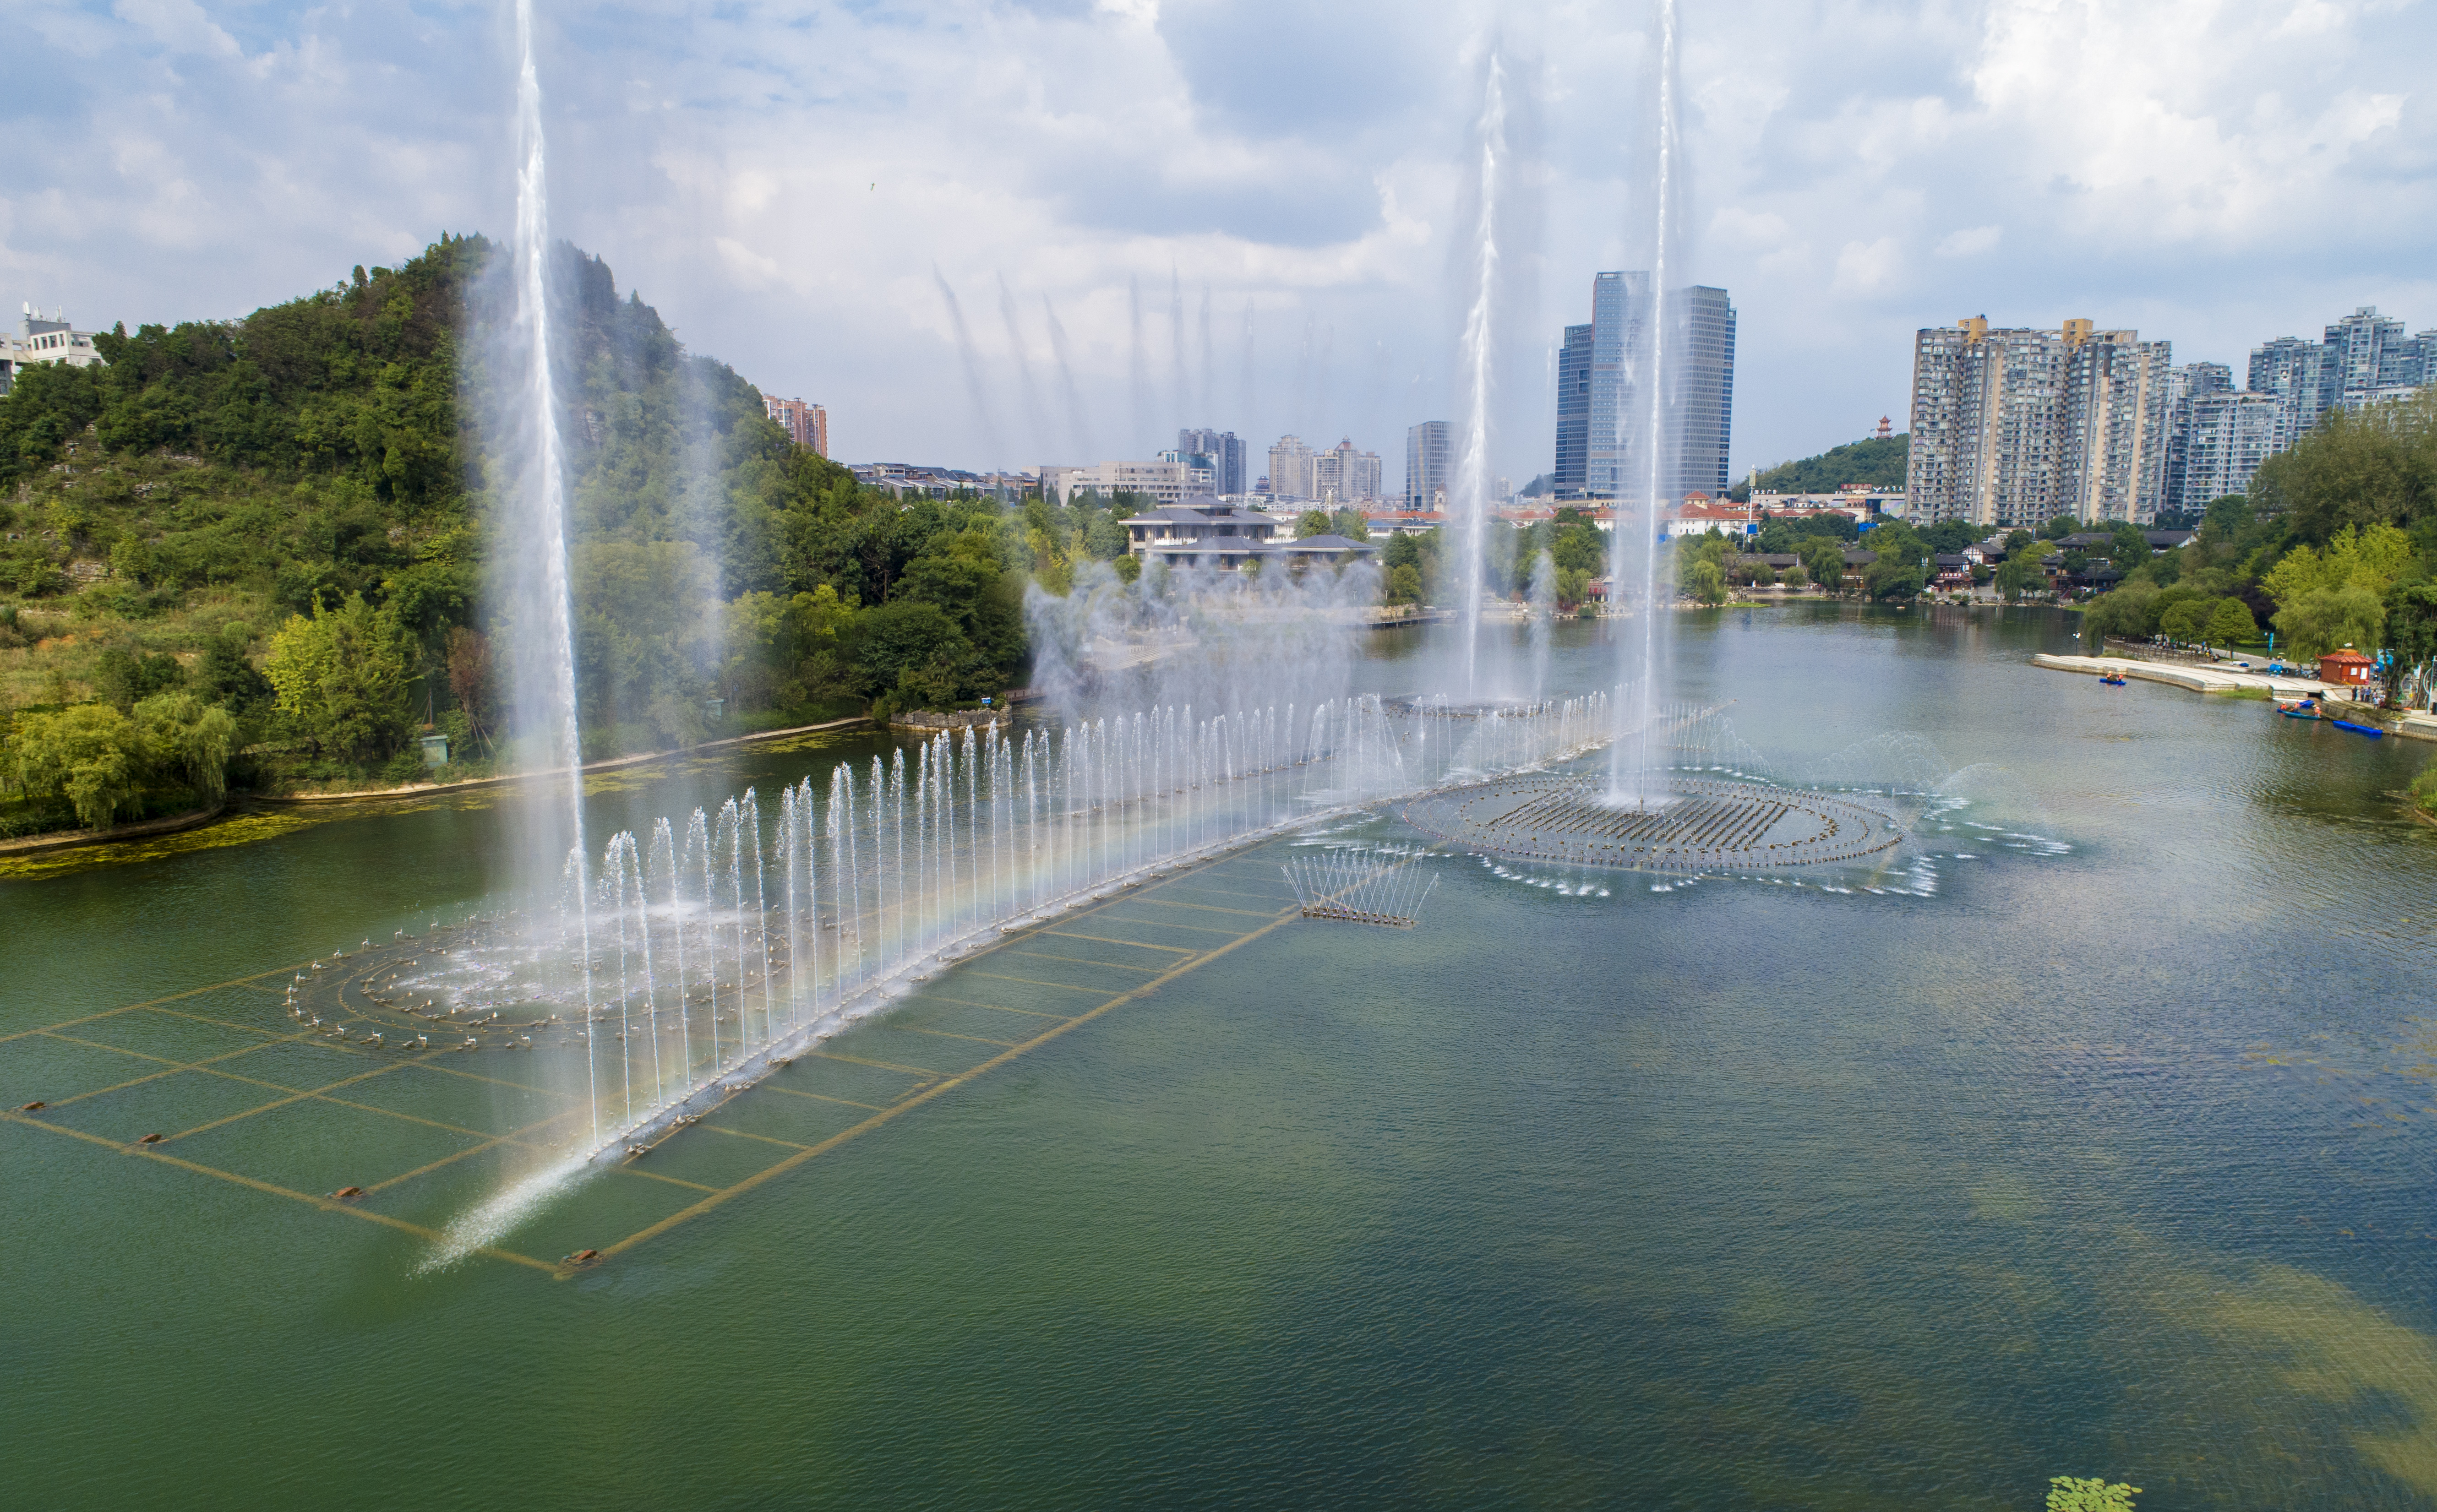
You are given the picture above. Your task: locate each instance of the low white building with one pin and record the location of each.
(44, 340)
(1163, 482)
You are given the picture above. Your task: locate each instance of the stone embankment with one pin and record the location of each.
(2219, 679)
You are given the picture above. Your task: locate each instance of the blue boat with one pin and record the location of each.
(2370, 730)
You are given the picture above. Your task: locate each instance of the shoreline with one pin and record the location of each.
(2411, 724)
(145, 830)
(197, 819)
(611, 764)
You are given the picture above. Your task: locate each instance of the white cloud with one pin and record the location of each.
(781, 180)
(1970, 242)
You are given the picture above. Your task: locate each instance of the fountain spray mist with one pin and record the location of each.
(1635, 774)
(545, 620)
(1480, 347)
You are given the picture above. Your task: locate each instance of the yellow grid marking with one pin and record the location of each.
(492, 1143)
(300, 1094)
(284, 1101)
(175, 1066)
(822, 1097)
(1233, 892)
(1086, 961)
(1206, 908)
(629, 1169)
(150, 1002)
(945, 1034)
(996, 1007)
(1171, 924)
(925, 1095)
(886, 1066)
(1140, 944)
(325, 1203)
(1035, 981)
(739, 1133)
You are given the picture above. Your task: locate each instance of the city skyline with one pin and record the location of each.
(2164, 194)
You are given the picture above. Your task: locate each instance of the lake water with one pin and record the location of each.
(2099, 1140)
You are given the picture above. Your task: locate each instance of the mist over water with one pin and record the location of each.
(1650, 452)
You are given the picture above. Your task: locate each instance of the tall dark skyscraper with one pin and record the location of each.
(1225, 450)
(1573, 411)
(1599, 372)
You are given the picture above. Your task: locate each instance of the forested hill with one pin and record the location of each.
(1877, 461)
(286, 516)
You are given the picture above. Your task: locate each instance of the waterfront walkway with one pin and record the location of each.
(2220, 679)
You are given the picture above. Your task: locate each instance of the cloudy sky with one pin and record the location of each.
(1251, 214)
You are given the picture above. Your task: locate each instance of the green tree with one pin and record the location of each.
(1878, 462)
(91, 754)
(340, 677)
(1350, 523)
(1404, 583)
(2017, 576)
(179, 732)
(912, 649)
(2410, 632)
(1796, 577)
(2323, 619)
(1311, 523)
(2061, 526)
(2374, 466)
(2185, 621)
(1825, 560)
(2229, 624)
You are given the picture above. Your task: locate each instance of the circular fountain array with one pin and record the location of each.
(1702, 825)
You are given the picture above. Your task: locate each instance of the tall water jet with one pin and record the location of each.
(1653, 471)
(1479, 353)
(539, 608)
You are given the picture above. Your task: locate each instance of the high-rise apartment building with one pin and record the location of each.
(2362, 360)
(1573, 413)
(2183, 385)
(1601, 372)
(1290, 470)
(1425, 464)
(807, 423)
(1345, 474)
(1222, 452)
(2011, 427)
(2298, 373)
(2226, 436)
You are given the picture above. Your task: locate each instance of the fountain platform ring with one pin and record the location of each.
(1706, 825)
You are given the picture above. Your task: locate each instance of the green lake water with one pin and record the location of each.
(2103, 1146)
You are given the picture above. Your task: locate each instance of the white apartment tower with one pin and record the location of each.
(2012, 427)
(1291, 470)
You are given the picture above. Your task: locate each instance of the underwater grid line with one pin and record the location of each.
(923, 1095)
(822, 1097)
(1102, 939)
(149, 1003)
(994, 1007)
(170, 1068)
(1085, 961)
(945, 1034)
(272, 1188)
(1036, 981)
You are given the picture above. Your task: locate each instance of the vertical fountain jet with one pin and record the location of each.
(542, 612)
(1636, 774)
(1479, 356)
